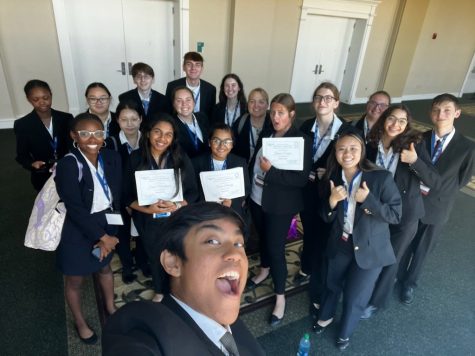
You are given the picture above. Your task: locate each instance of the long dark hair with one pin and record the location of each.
(241, 96)
(172, 157)
(364, 164)
(401, 141)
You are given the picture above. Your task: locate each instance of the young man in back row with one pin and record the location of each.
(453, 155)
(204, 93)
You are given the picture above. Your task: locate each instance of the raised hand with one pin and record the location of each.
(409, 156)
(337, 194)
(362, 193)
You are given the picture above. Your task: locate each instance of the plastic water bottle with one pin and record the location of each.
(304, 345)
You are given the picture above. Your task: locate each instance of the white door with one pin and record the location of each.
(321, 54)
(108, 36)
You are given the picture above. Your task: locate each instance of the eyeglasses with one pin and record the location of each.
(382, 106)
(327, 98)
(143, 76)
(84, 134)
(217, 142)
(400, 121)
(101, 100)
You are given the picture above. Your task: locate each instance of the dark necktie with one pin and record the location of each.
(437, 151)
(228, 342)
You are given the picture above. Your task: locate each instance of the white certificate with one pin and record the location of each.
(157, 184)
(225, 184)
(284, 152)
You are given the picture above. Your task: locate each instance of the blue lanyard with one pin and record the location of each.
(381, 160)
(197, 104)
(54, 146)
(223, 168)
(251, 137)
(226, 115)
(193, 135)
(102, 180)
(346, 201)
(316, 142)
(435, 154)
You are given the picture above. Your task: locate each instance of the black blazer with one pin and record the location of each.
(242, 139)
(134, 163)
(185, 139)
(34, 143)
(158, 103)
(203, 164)
(78, 196)
(408, 178)
(371, 237)
(283, 190)
(219, 112)
(207, 94)
(147, 328)
(311, 189)
(456, 165)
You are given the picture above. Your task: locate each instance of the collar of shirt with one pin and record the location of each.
(123, 139)
(213, 330)
(389, 159)
(50, 128)
(146, 98)
(335, 127)
(447, 140)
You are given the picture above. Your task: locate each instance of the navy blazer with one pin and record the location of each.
(138, 329)
(203, 164)
(219, 112)
(158, 103)
(242, 139)
(282, 192)
(371, 237)
(184, 136)
(207, 94)
(456, 165)
(80, 225)
(408, 178)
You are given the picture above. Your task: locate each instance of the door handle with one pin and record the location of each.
(320, 71)
(130, 68)
(122, 68)
(316, 69)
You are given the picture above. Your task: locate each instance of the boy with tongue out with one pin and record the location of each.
(202, 254)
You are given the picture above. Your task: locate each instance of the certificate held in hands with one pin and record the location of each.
(224, 184)
(284, 152)
(157, 184)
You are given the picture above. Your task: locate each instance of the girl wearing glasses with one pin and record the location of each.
(360, 201)
(323, 129)
(276, 196)
(232, 101)
(395, 146)
(90, 186)
(221, 144)
(159, 149)
(98, 99)
(192, 127)
(42, 136)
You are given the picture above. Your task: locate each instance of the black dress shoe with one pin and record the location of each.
(91, 340)
(318, 329)
(369, 312)
(300, 278)
(274, 320)
(342, 344)
(407, 295)
(128, 277)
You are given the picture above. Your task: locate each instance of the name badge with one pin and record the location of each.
(114, 218)
(424, 189)
(259, 180)
(161, 215)
(311, 176)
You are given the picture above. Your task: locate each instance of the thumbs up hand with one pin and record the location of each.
(337, 194)
(409, 156)
(362, 193)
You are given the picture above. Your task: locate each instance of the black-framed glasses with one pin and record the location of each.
(400, 121)
(84, 134)
(102, 99)
(375, 104)
(217, 142)
(326, 98)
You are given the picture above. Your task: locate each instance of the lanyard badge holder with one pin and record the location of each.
(112, 217)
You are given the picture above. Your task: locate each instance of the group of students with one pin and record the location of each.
(364, 217)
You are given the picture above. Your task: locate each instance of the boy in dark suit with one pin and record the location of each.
(203, 92)
(453, 155)
(149, 101)
(202, 252)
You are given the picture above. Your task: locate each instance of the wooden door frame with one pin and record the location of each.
(361, 10)
(181, 40)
